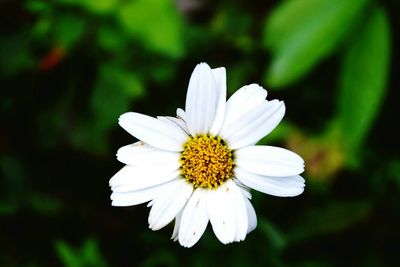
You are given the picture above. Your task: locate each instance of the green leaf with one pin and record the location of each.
(234, 26)
(115, 89)
(92, 255)
(161, 258)
(7, 209)
(362, 84)
(68, 29)
(302, 32)
(111, 39)
(46, 205)
(330, 218)
(274, 235)
(239, 74)
(280, 133)
(37, 6)
(87, 256)
(67, 254)
(156, 24)
(95, 6)
(15, 180)
(15, 53)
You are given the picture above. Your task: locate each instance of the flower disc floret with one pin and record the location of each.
(206, 161)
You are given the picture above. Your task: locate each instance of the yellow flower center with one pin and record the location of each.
(206, 161)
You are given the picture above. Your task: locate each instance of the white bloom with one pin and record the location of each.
(200, 166)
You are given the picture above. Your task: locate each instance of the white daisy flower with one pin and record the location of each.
(200, 166)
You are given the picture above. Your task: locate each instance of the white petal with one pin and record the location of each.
(194, 219)
(269, 161)
(254, 125)
(180, 113)
(243, 188)
(176, 226)
(220, 78)
(134, 177)
(140, 154)
(201, 100)
(176, 122)
(222, 214)
(152, 131)
(251, 216)
(167, 205)
(237, 200)
(149, 204)
(138, 196)
(242, 101)
(277, 186)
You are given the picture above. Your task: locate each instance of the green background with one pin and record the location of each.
(69, 68)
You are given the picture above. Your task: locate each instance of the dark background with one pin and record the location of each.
(69, 68)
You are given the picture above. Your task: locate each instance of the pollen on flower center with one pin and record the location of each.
(206, 161)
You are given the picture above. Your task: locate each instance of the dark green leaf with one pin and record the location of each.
(7, 209)
(37, 6)
(272, 234)
(156, 24)
(94, 6)
(161, 258)
(67, 254)
(87, 256)
(68, 30)
(115, 89)
(363, 78)
(302, 32)
(334, 217)
(15, 53)
(44, 204)
(111, 39)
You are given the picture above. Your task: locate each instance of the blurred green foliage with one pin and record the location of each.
(69, 68)
(363, 81)
(86, 256)
(302, 32)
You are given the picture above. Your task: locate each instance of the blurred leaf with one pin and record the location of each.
(333, 217)
(302, 32)
(313, 263)
(162, 72)
(239, 75)
(67, 254)
(156, 24)
(14, 175)
(114, 91)
(92, 254)
(234, 26)
(323, 153)
(110, 39)
(68, 29)
(87, 256)
(362, 84)
(272, 234)
(7, 208)
(394, 172)
(161, 258)
(15, 53)
(94, 6)
(41, 27)
(18, 192)
(280, 133)
(45, 205)
(37, 6)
